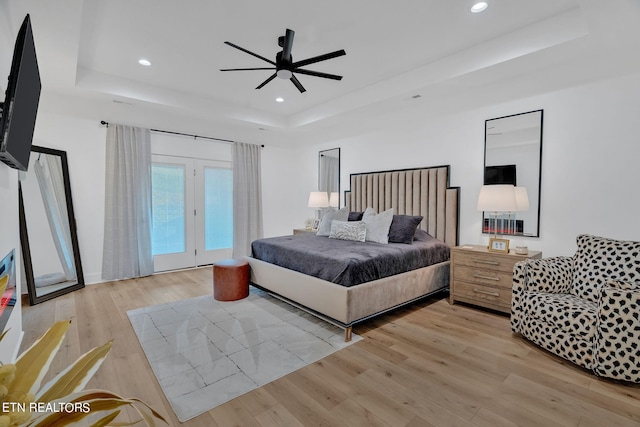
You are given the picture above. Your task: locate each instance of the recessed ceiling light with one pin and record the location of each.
(479, 7)
(279, 99)
(144, 62)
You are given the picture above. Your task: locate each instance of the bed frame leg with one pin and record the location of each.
(347, 334)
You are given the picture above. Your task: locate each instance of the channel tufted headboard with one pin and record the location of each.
(421, 191)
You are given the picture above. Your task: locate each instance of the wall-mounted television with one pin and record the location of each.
(20, 107)
(501, 174)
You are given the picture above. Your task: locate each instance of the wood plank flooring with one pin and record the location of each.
(431, 364)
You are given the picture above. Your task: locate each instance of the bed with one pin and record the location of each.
(421, 191)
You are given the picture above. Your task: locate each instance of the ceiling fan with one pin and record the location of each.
(285, 67)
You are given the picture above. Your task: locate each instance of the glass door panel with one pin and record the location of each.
(214, 217)
(192, 212)
(172, 239)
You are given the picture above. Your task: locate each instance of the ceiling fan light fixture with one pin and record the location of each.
(479, 7)
(284, 74)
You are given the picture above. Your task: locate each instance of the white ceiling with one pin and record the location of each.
(88, 53)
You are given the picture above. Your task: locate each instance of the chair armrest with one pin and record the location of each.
(552, 275)
(538, 275)
(618, 331)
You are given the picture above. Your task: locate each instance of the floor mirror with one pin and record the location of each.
(48, 234)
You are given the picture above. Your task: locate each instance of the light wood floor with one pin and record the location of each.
(432, 364)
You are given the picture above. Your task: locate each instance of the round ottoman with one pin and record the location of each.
(230, 279)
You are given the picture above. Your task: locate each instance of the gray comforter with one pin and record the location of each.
(345, 262)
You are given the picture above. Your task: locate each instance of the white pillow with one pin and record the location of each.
(324, 229)
(348, 230)
(377, 225)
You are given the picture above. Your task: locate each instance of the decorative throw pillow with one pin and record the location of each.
(403, 228)
(348, 230)
(378, 225)
(422, 236)
(324, 229)
(355, 216)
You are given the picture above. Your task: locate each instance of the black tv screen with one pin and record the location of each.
(18, 115)
(502, 174)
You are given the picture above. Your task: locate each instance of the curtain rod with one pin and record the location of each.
(228, 141)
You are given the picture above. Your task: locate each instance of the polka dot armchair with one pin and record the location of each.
(584, 308)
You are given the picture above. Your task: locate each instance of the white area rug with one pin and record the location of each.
(206, 352)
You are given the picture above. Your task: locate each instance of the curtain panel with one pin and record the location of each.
(127, 228)
(247, 198)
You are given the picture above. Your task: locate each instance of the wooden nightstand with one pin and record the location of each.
(483, 278)
(304, 231)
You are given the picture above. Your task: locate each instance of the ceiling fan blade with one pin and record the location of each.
(250, 53)
(246, 69)
(297, 84)
(319, 58)
(317, 74)
(273, 76)
(288, 44)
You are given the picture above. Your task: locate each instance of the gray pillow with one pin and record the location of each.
(324, 229)
(348, 230)
(403, 228)
(355, 216)
(377, 225)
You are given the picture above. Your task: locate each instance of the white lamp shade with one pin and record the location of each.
(318, 199)
(497, 198)
(522, 198)
(333, 200)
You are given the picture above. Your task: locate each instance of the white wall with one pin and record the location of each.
(591, 148)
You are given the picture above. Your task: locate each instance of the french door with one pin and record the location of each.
(192, 212)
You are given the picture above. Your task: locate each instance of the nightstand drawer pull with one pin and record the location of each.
(493, 294)
(487, 262)
(480, 276)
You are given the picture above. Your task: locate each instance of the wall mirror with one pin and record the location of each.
(329, 174)
(48, 228)
(513, 155)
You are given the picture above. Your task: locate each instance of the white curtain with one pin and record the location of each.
(247, 198)
(127, 222)
(48, 171)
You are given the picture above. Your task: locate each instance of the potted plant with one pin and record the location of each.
(24, 401)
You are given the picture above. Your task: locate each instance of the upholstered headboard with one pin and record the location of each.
(421, 191)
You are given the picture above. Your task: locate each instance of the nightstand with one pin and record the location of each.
(304, 231)
(483, 278)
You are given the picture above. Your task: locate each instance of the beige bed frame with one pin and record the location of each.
(422, 191)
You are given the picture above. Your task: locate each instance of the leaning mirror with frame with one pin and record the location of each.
(48, 235)
(513, 155)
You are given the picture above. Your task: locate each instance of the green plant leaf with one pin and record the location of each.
(75, 376)
(33, 364)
